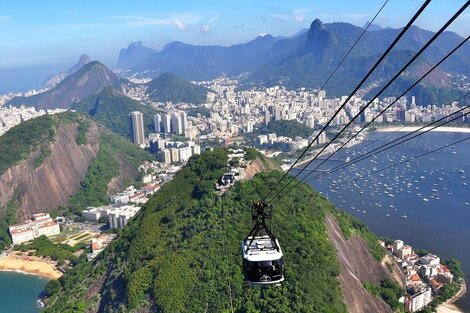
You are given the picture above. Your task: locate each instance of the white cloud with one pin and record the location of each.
(299, 18)
(296, 15)
(180, 25)
(181, 21)
(214, 18)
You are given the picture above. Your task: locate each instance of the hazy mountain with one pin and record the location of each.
(64, 160)
(169, 87)
(204, 62)
(326, 44)
(57, 78)
(372, 27)
(89, 79)
(135, 54)
(307, 59)
(111, 108)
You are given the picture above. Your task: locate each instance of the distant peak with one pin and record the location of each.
(136, 44)
(84, 58)
(316, 25)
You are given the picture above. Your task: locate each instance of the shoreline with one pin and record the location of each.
(449, 306)
(16, 262)
(445, 129)
(448, 129)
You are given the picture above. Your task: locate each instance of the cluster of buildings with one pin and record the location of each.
(230, 113)
(287, 144)
(12, 116)
(172, 122)
(40, 224)
(118, 215)
(173, 151)
(130, 194)
(169, 151)
(425, 275)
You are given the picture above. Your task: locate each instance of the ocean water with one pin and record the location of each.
(19, 292)
(433, 192)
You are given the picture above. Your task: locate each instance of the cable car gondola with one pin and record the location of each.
(262, 254)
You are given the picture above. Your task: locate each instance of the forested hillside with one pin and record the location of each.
(62, 162)
(111, 108)
(181, 253)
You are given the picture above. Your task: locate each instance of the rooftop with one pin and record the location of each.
(261, 249)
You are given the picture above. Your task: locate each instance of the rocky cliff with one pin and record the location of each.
(52, 183)
(56, 169)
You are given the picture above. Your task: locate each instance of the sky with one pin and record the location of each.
(42, 32)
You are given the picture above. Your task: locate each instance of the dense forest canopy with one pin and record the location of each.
(181, 253)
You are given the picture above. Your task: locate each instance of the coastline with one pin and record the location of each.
(16, 262)
(448, 129)
(449, 306)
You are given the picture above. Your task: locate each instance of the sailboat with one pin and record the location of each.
(404, 215)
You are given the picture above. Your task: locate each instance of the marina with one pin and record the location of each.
(425, 201)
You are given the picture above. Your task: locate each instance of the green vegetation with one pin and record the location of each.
(94, 187)
(252, 153)
(285, 128)
(44, 153)
(18, 143)
(7, 218)
(199, 110)
(169, 87)
(82, 133)
(389, 291)
(176, 254)
(46, 248)
(112, 108)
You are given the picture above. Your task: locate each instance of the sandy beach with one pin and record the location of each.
(448, 306)
(413, 128)
(30, 265)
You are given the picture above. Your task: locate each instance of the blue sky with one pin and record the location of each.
(38, 32)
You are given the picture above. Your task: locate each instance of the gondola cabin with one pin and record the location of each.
(262, 261)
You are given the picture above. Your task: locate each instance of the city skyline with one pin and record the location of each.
(101, 29)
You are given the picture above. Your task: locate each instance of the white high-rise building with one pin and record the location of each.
(176, 124)
(167, 123)
(136, 119)
(157, 120)
(184, 120)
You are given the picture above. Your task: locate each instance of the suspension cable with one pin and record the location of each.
(334, 71)
(382, 57)
(419, 132)
(434, 37)
(412, 159)
(304, 178)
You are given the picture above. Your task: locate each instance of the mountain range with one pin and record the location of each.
(307, 59)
